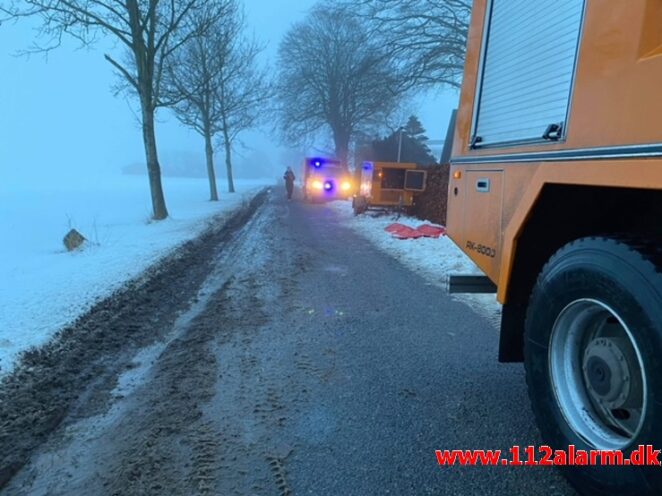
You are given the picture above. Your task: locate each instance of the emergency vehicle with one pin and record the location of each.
(388, 186)
(556, 194)
(325, 179)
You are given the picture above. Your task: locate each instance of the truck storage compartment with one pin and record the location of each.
(482, 218)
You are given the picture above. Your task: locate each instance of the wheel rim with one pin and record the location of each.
(598, 375)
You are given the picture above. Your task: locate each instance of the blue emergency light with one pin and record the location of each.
(328, 185)
(317, 163)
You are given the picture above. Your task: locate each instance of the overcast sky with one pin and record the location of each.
(59, 117)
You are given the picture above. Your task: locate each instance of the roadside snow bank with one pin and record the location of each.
(434, 259)
(43, 287)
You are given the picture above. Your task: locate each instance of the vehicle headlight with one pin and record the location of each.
(346, 186)
(318, 184)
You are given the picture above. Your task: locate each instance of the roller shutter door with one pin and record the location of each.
(528, 69)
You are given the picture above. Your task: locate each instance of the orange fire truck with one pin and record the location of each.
(556, 194)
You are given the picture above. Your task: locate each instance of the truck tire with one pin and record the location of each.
(593, 358)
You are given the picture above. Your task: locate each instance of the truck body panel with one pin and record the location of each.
(389, 185)
(612, 136)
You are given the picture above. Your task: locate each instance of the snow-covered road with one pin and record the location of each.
(280, 354)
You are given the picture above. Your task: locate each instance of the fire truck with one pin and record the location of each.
(325, 179)
(556, 194)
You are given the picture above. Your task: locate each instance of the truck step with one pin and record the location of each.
(470, 284)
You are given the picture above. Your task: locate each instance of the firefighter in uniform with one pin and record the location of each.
(289, 182)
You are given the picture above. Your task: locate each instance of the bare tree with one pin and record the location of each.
(334, 76)
(426, 37)
(243, 90)
(192, 75)
(218, 84)
(149, 30)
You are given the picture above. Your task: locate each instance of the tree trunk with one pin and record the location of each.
(341, 141)
(211, 174)
(228, 160)
(159, 209)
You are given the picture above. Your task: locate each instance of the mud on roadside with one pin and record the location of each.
(77, 369)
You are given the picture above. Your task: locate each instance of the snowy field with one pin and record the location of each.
(44, 287)
(434, 259)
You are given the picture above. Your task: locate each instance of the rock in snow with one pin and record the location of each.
(73, 240)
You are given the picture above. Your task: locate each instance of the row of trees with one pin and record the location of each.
(343, 70)
(189, 55)
(216, 82)
(347, 68)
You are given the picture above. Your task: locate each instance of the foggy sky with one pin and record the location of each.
(59, 118)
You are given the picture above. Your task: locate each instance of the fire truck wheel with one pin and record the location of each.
(593, 349)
